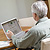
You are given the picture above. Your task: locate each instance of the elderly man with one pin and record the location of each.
(38, 32)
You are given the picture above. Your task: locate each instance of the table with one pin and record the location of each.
(3, 38)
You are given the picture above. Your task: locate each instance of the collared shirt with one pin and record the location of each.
(33, 35)
(42, 20)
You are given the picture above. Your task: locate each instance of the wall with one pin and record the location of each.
(28, 4)
(8, 9)
(15, 8)
(24, 8)
(21, 8)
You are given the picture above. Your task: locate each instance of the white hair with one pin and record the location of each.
(40, 8)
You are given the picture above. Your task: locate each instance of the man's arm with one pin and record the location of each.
(23, 42)
(27, 41)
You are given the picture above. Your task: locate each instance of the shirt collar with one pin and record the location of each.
(42, 20)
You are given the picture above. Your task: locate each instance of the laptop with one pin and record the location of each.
(13, 26)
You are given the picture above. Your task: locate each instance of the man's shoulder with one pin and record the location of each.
(41, 26)
(35, 28)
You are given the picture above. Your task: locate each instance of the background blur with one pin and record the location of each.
(16, 8)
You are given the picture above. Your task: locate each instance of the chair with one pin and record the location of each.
(45, 44)
(27, 22)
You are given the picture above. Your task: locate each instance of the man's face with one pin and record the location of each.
(35, 17)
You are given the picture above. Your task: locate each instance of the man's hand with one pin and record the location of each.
(9, 34)
(27, 30)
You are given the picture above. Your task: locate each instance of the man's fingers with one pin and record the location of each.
(9, 31)
(6, 33)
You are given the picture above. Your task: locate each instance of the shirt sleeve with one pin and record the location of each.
(23, 42)
(29, 39)
(13, 39)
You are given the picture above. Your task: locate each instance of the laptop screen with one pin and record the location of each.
(11, 25)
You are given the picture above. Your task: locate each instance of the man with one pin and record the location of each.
(38, 32)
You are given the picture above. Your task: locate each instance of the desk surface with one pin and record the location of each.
(3, 37)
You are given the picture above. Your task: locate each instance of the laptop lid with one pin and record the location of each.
(11, 25)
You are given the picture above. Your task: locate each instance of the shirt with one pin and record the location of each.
(34, 35)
